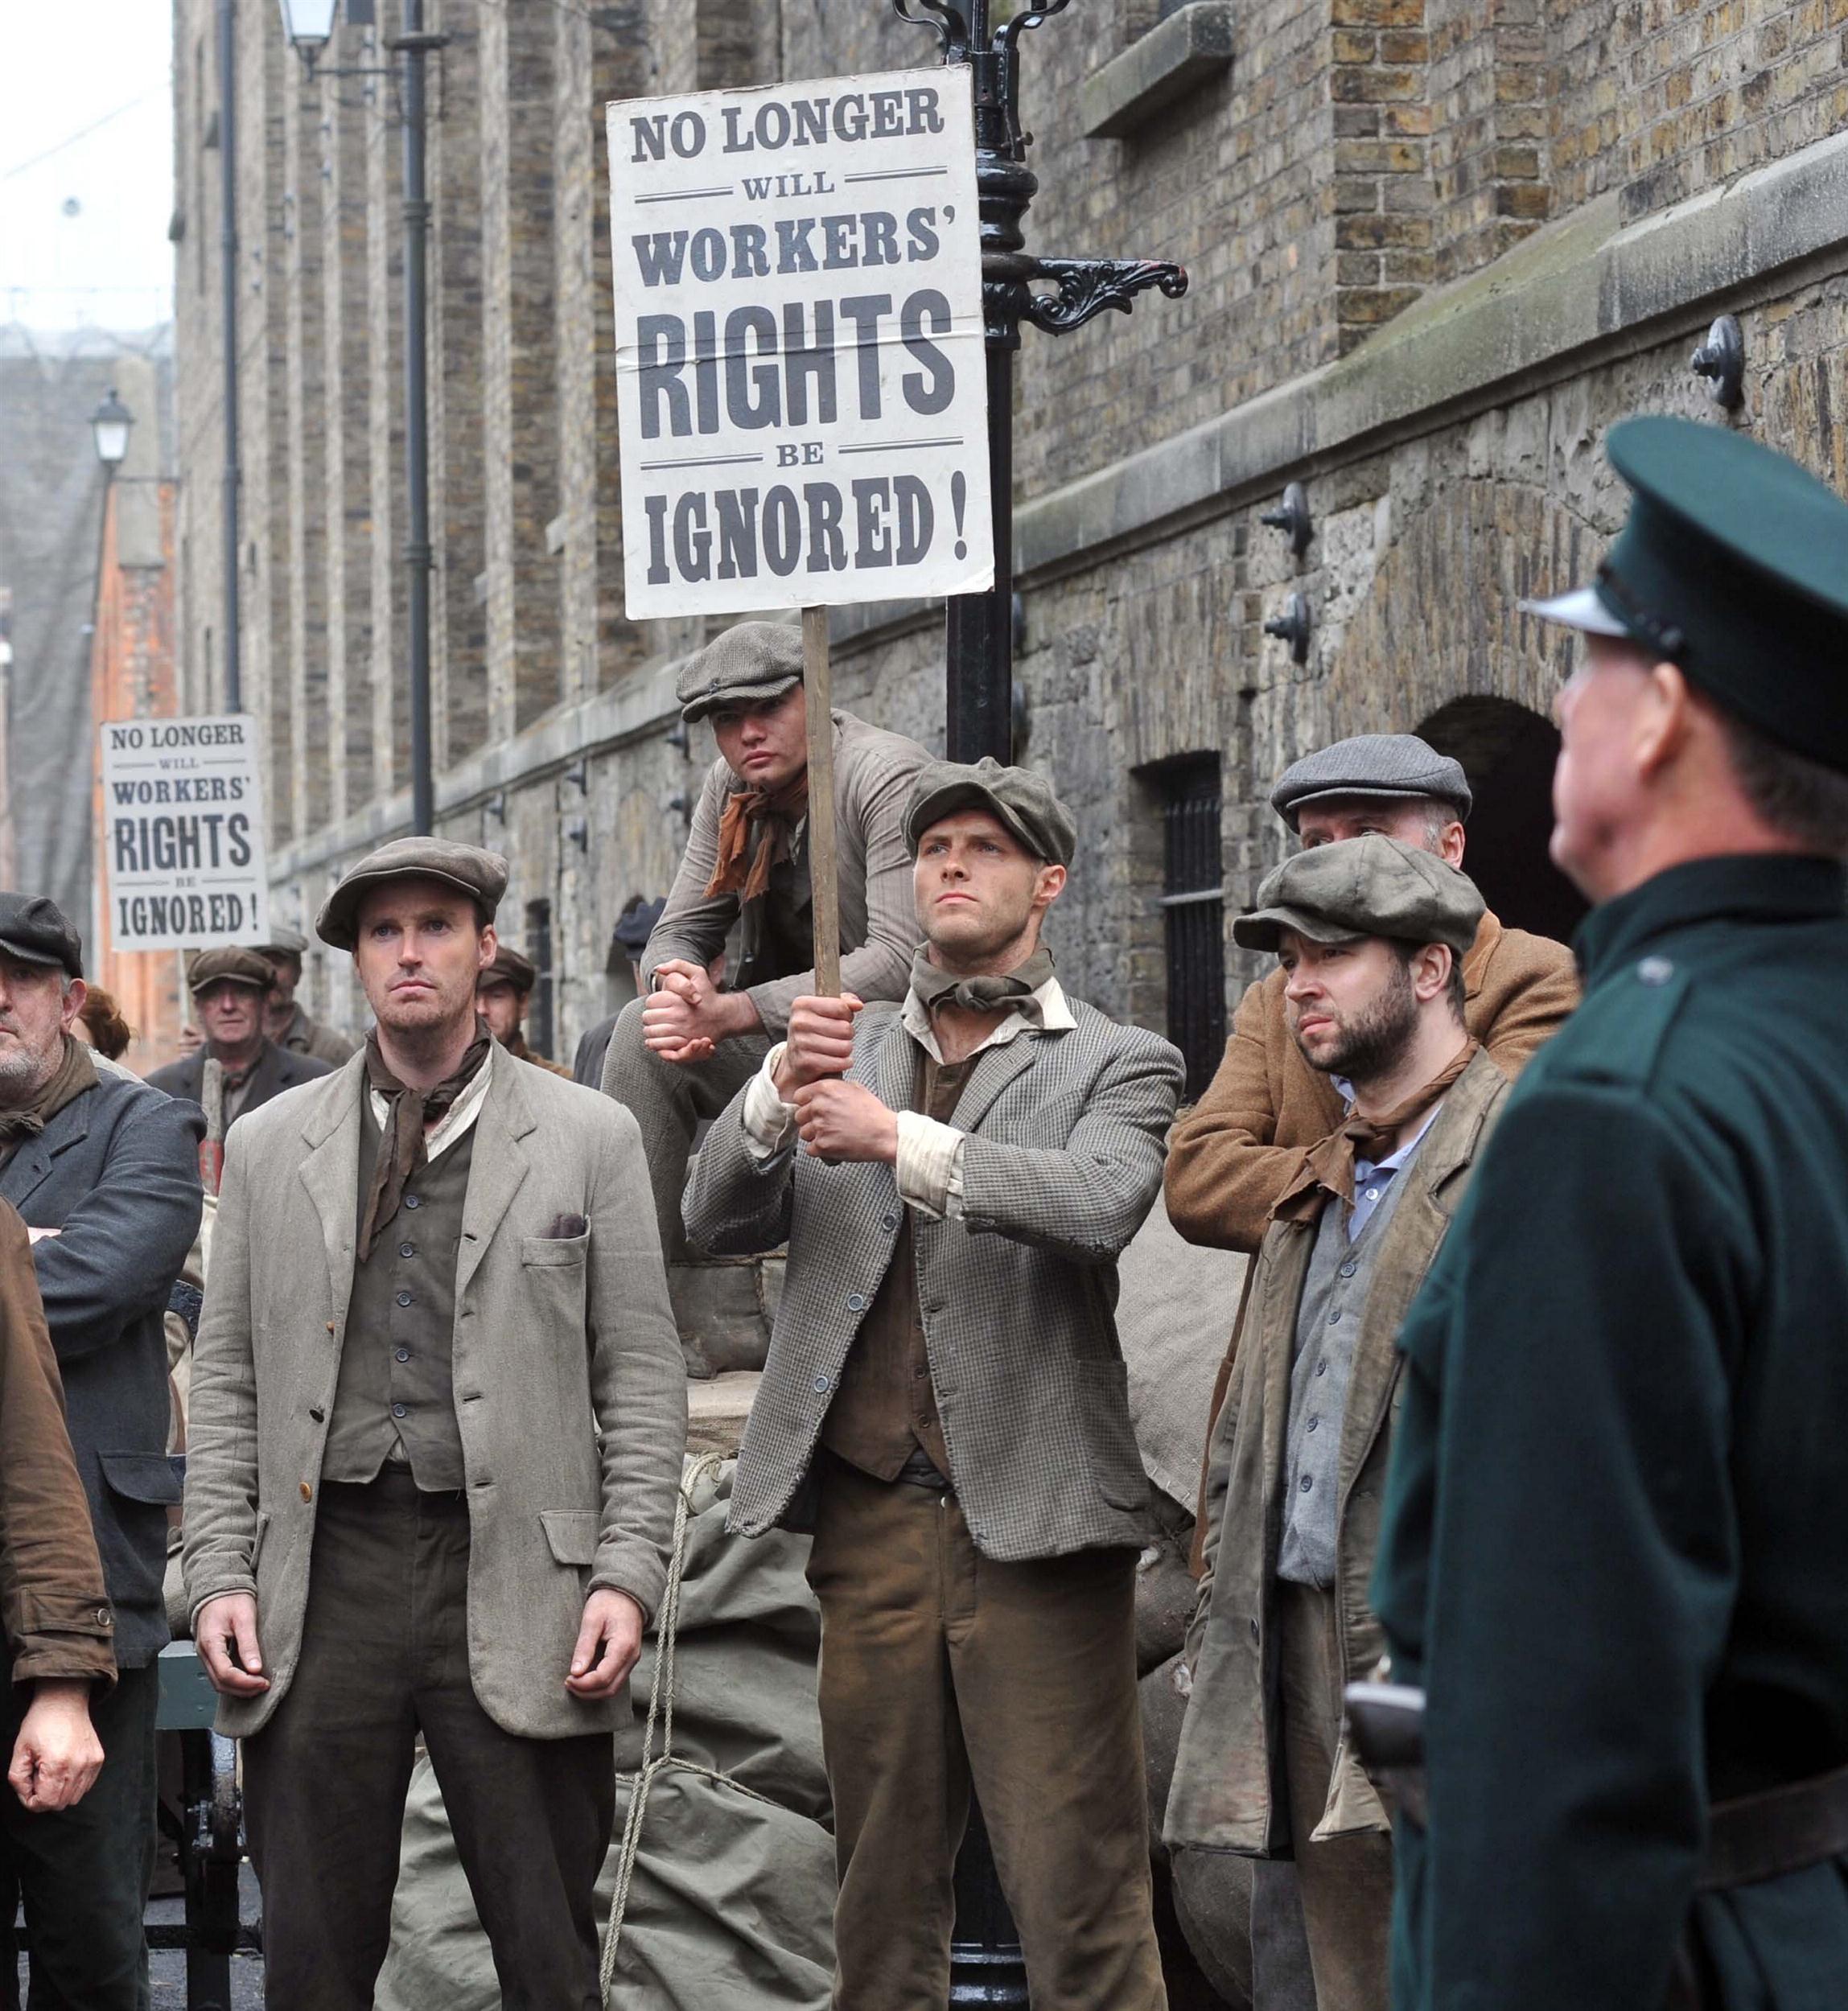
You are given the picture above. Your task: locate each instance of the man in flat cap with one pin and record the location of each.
(104, 1171)
(945, 1406)
(239, 1067)
(628, 942)
(502, 994)
(1610, 1553)
(437, 1411)
(683, 1050)
(1233, 1152)
(286, 1021)
(1370, 935)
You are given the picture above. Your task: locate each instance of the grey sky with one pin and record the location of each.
(65, 67)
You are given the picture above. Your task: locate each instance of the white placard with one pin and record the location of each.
(183, 833)
(800, 378)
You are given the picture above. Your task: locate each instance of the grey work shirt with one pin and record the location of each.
(1341, 1274)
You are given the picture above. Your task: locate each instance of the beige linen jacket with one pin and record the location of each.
(569, 1382)
(1224, 1796)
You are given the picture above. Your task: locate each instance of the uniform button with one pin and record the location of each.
(1373, 1194)
(307, 1492)
(889, 1221)
(1334, 1319)
(397, 1410)
(407, 1249)
(856, 1302)
(404, 1355)
(820, 1385)
(1312, 1424)
(1655, 970)
(1348, 1270)
(411, 1201)
(404, 1298)
(1306, 1483)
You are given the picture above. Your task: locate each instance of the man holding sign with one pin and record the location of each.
(684, 1049)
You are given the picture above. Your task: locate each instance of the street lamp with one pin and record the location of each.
(110, 424)
(308, 23)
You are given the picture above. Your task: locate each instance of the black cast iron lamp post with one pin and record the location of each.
(986, 1964)
(308, 24)
(979, 626)
(110, 425)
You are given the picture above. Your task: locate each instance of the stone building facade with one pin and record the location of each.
(1437, 246)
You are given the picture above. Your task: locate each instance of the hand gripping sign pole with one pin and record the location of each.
(823, 862)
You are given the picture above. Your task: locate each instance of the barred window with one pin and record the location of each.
(1193, 905)
(539, 948)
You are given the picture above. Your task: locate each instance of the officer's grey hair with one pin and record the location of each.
(1798, 797)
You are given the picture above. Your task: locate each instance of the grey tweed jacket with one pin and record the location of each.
(1067, 1132)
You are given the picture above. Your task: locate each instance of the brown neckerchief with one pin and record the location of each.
(739, 869)
(1011, 991)
(409, 1111)
(1328, 1168)
(75, 1073)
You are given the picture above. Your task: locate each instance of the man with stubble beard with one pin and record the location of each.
(438, 1409)
(1370, 935)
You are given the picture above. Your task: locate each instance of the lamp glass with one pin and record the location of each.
(308, 23)
(110, 425)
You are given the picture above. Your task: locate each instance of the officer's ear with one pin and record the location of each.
(1664, 718)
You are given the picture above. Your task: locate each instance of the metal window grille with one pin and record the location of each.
(1193, 907)
(539, 942)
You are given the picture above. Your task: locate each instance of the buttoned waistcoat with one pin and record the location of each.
(1226, 1794)
(1066, 1131)
(569, 1385)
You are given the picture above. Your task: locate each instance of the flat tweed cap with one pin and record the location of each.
(510, 967)
(481, 875)
(35, 930)
(751, 660)
(1023, 800)
(1372, 764)
(1373, 886)
(235, 966)
(284, 942)
(1733, 564)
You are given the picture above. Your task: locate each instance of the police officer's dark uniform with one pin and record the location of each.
(1615, 1547)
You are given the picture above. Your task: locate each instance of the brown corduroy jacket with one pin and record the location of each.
(1235, 1151)
(52, 1597)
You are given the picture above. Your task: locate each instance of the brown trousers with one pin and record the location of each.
(1346, 1882)
(384, 1656)
(939, 1666)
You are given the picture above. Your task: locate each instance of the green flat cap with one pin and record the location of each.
(1023, 800)
(750, 661)
(510, 967)
(229, 967)
(481, 875)
(1733, 564)
(1364, 886)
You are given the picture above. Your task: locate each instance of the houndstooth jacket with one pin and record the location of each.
(1067, 1132)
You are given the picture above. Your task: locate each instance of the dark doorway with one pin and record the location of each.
(1507, 753)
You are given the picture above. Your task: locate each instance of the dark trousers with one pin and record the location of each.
(384, 1656)
(939, 1666)
(84, 1871)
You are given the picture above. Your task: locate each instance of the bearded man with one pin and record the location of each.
(1370, 935)
(438, 1409)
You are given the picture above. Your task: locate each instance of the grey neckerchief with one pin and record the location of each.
(936, 988)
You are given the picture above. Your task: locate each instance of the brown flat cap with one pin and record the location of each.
(510, 967)
(234, 966)
(750, 661)
(1023, 800)
(1373, 886)
(481, 875)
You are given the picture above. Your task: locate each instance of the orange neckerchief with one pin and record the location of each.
(739, 868)
(1328, 1168)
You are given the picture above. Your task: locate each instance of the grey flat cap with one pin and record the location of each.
(284, 942)
(481, 875)
(1364, 886)
(229, 967)
(1372, 764)
(1023, 800)
(750, 661)
(34, 929)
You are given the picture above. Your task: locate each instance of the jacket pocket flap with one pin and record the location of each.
(572, 1533)
(554, 1249)
(146, 1477)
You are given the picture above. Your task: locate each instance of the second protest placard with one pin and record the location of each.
(801, 384)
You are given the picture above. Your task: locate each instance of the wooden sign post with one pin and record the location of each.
(824, 861)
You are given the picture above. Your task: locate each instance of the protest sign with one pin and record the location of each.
(183, 833)
(801, 374)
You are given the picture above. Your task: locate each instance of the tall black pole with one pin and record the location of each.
(228, 249)
(418, 558)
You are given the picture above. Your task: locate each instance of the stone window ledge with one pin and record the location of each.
(1177, 56)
